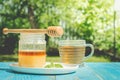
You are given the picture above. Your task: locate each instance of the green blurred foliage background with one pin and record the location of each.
(91, 20)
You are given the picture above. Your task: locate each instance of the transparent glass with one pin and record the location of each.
(32, 50)
(72, 52)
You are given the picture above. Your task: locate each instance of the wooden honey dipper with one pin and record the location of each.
(50, 31)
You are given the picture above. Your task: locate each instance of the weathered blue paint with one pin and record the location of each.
(91, 71)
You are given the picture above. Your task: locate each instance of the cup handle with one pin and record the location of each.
(92, 51)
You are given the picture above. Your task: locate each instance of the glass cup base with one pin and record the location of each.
(74, 65)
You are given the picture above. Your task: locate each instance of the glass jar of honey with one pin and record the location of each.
(32, 50)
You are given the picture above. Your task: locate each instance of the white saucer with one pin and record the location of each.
(63, 70)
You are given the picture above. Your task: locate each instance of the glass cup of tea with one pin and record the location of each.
(72, 52)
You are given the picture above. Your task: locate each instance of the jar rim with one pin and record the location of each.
(28, 36)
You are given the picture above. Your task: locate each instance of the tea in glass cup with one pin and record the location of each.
(72, 52)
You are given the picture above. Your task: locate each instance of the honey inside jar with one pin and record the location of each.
(32, 58)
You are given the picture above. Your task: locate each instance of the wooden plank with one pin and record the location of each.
(95, 71)
(84, 73)
(7, 74)
(91, 71)
(108, 71)
(71, 76)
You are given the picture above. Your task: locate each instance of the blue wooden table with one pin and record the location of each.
(91, 71)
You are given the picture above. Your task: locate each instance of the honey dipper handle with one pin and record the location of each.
(42, 31)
